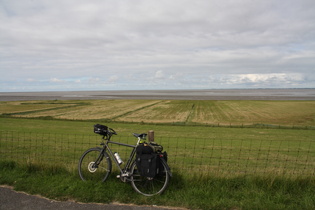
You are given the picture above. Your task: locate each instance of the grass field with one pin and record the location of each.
(289, 113)
(214, 167)
(219, 151)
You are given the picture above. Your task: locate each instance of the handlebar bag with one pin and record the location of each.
(100, 129)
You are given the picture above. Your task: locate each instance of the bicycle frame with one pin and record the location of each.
(124, 171)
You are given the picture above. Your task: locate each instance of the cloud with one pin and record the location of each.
(113, 78)
(56, 80)
(276, 80)
(182, 41)
(159, 75)
(268, 80)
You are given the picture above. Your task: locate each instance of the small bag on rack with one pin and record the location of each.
(156, 147)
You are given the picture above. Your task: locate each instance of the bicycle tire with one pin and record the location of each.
(149, 186)
(88, 171)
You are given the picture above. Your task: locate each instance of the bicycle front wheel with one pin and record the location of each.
(149, 186)
(94, 165)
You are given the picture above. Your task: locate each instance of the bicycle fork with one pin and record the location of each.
(99, 159)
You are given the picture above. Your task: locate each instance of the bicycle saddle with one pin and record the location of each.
(141, 136)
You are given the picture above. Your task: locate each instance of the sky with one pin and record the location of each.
(65, 45)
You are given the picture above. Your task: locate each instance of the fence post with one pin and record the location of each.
(151, 136)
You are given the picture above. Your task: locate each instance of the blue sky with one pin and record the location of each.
(147, 44)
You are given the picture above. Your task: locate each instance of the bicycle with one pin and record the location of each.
(95, 164)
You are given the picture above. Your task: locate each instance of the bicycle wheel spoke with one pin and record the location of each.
(89, 170)
(160, 181)
(148, 186)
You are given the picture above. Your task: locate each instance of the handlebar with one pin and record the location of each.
(111, 131)
(107, 132)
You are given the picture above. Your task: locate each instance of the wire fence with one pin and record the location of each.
(203, 156)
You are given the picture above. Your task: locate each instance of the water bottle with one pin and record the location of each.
(118, 158)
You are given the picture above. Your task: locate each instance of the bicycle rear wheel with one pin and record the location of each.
(149, 186)
(94, 165)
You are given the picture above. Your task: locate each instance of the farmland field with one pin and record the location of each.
(290, 113)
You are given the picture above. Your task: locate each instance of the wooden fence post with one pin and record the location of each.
(151, 136)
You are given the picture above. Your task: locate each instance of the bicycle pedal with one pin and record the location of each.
(118, 176)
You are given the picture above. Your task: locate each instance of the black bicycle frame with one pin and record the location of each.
(129, 162)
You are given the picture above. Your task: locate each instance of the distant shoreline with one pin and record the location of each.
(209, 94)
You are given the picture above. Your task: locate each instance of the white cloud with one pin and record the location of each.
(93, 80)
(113, 78)
(159, 74)
(30, 80)
(56, 80)
(274, 80)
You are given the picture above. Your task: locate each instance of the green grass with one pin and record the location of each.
(242, 192)
(218, 151)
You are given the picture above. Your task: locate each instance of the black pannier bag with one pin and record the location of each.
(144, 149)
(100, 129)
(148, 165)
(148, 161)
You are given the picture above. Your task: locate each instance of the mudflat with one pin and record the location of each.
(211, 94)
